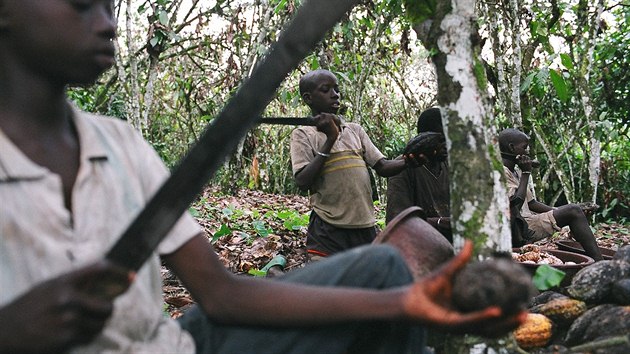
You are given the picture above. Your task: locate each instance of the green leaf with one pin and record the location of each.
(285, 214)
(527, 82)
(260, 228)
(163, 17)
(533, 26)
(295, 221)
(542, 75)
(257, 273)
(314, 63)
(223, 230)
(566, 61)
(281, 6)
(344, 77)
(227, 212)
(547, 277)
(194, 212)
(154, 41)
(560, 85)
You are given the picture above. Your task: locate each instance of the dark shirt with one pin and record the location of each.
(419, 187)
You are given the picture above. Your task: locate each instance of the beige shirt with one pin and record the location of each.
(342, 193)
(543, 224)
(41, 239)
(513, 181)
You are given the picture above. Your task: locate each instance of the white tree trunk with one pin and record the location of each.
(515, 109)
(149, 91)
(479, 204)
(586, 98)
(133, 102)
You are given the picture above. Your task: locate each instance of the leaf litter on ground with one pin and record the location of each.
(250, 228)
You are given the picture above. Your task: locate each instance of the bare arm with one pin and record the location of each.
(440, 222)
(226, 297)
(538, 207)
(400, 196)
(329, 125)
(389, 168)
(307, 176)
(525, 164)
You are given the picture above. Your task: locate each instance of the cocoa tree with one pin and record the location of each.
(478, 197)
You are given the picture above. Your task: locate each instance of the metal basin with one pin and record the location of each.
(574, 246)
(580, 261)
(422, 246)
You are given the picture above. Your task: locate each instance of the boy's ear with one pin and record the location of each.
(511, 147)
(306, 96)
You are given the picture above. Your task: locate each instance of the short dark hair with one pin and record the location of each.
(508, 136)
(430, 121)
(307, 81)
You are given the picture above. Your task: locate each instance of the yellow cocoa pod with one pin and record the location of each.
(562, 310)
(535, 332)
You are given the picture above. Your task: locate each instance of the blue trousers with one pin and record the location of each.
(369, 267)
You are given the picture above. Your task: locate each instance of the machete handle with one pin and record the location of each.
(288, 121)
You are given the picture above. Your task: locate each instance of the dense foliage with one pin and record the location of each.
(179, 62)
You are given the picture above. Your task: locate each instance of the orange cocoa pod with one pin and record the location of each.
(535, 332)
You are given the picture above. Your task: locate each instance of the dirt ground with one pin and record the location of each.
(256, 226)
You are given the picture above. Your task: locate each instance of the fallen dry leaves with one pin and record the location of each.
(243, 248)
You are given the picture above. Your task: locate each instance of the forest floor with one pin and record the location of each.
(252, 227)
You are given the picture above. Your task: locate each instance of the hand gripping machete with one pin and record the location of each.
(308, 27)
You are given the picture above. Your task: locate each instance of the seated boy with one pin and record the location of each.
(331, 161)
(70, 182)
(425, 186)
(541, 219)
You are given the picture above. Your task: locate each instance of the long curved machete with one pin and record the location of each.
(307, 28)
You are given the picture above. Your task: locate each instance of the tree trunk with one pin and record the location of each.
(149, 91)
(586, 97)
(479, 204)
(515, 109)
(133, 100)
